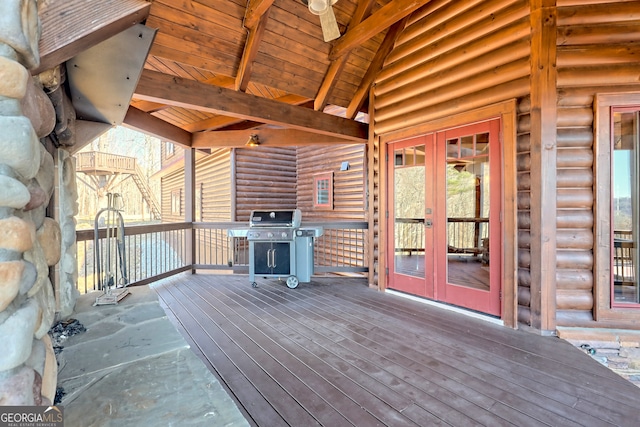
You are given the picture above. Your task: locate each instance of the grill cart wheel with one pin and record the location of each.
(292, 282)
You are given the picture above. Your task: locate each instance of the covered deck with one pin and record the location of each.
(335, 352)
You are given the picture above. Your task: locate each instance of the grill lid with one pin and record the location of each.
(276, 218)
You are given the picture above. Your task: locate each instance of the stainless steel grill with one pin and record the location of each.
(279, 246)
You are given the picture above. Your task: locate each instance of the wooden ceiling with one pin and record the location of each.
(219, 70)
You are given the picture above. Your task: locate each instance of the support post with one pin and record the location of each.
(190, 204)
(543, 165)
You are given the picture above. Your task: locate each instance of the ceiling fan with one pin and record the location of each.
(328, 23)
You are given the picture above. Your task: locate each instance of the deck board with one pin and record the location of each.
(334, 352)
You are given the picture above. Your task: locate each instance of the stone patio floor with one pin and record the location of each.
(133, 368)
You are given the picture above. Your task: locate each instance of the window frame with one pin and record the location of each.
(176, 197)
(324, 176)
(604, 309)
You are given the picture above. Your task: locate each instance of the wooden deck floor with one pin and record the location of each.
(336, 353)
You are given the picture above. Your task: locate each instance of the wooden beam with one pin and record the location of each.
(543, 165)
(267, 138)
(84, 25)
(385, 17)
(219, 122)
(144, 122)
(256, 10)
(177, 91)
(329, 82)
(249, 54)
(337, 65)
(374, 67)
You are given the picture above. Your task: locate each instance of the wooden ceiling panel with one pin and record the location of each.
(223, 18)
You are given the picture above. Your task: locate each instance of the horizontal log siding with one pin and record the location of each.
(523, 168)
(463, 58)
(348, 198)
(265, 179)
(213, 177)
(598, 49)
(348, 186)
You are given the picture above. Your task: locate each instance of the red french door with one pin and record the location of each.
(409, 244)
(444, 195)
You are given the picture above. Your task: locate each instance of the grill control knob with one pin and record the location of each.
(284, 234)
(299, 232)
(270, 235)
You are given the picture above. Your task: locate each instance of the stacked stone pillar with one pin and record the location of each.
(30, 241)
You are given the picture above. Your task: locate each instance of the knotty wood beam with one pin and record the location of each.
(249, 54)
(256, 10)
(267, 137)
(158, 87)
(385, 17)
(144, 122)
(374, 68)
(337, 65)
(218, 122)
(85, 24)
(543, 165)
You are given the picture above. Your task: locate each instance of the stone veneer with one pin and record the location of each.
(31, 242)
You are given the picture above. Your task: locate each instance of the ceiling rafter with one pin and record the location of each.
(374, 68)
(337, 65)
(379, 21)
(250, 52)
(145, 122)
(158, 87)
(256, 9)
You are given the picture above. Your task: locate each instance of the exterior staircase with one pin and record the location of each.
(147, 194)
(95, 164)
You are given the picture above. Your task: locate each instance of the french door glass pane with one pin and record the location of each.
(409, 196)
(625, 208)
(467, 208)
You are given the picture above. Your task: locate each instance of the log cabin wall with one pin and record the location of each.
(473, 52)
(265, 178)
(213, 187)
(524, 211)
(348, 185)
(349, 197)
(597, 52)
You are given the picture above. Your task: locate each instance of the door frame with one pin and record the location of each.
(506, 111)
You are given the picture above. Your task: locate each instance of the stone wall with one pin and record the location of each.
(31, 240)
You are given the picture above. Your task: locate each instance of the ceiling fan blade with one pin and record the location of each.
(330, 30)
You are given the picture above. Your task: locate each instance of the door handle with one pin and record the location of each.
(273, 258)
(428, 222)
(269, 263)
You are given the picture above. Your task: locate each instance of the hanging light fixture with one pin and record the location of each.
(253, 141)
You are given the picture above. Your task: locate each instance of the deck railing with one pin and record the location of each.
(152, 252)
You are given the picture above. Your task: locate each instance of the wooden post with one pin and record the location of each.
(190, 204)
(543, 165)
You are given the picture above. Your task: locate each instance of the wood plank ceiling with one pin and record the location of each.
(221, 69)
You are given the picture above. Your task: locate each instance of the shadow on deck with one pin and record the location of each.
(335, 352)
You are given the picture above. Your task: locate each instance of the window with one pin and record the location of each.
(617, 207)
(625, 203)
(323, 191)
(176, 202)
(169, 149)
